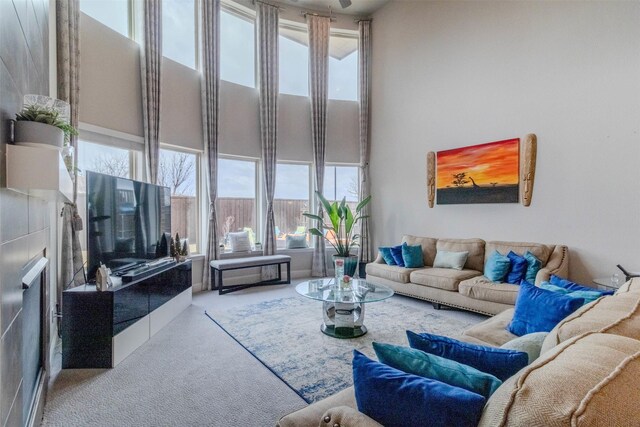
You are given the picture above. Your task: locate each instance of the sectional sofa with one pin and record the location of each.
(467, 288)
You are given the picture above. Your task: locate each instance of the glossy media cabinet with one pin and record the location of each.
(101, 328)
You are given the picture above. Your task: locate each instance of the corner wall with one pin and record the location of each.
(451, 74)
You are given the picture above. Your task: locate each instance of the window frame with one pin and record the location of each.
(294, 26)
(347, 34)
(240, 13)
(131, 14)
(196, 37)
(336, 164)
(312, 203)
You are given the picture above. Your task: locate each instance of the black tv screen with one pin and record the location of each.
(126, 221)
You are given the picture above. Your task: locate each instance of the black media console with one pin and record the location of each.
(100, 329)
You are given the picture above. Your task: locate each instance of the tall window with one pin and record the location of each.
(179, 31)
(237, 49)
(179, 171)
(236, 197)
(341, 182)
(291, 201)
(104, 159)
(114, 13)
(343, 68)
(294, 62)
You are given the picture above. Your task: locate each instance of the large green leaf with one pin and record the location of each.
(349, 220)
(325, 202)
(316, 232)
(312, 216)
(362, 204)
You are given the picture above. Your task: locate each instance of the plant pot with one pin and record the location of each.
(30, 133)
(350, 264)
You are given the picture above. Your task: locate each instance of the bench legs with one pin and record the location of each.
(216, 282)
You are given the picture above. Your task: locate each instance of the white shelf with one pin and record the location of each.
(40, 172)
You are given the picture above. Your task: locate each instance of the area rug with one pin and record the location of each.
(284, 334)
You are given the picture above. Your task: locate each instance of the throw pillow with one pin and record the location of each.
(455, 260)
(296, 241)
(417, 362)
(386, 255)
(530, 344)
(500, 363)
(518, 268)
(396, 253)
(412, 256)
(240, 241)
(588, 296)
(540, 310)
(497, 267)
(396, 399)
(533, 266)
(567, 284)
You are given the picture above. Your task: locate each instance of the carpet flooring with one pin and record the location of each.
(284, 334)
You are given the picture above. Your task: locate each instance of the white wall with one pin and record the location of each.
(451, 74)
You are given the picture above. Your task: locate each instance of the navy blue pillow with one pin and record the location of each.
(396, 399)
(518, 268)
(396, 252)
(385, 252)
(567, 284)
(540, 310)
(499, 362)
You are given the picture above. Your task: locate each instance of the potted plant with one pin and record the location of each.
(342, 222)
(43, 125)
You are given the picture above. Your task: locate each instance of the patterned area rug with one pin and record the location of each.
(284, 334)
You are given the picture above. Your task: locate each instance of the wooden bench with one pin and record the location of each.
(220, 265)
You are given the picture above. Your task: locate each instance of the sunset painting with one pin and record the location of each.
(486, 173)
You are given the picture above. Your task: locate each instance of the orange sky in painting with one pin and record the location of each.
(485, 163)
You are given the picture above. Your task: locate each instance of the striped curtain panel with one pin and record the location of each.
(267, 17)
(364, 92)
(210, 24)
(318, 27)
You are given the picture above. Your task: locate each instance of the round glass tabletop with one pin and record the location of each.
(326, 290)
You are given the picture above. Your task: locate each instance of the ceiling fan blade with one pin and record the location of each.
(345, 3)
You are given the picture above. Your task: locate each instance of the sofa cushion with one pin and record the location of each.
(428, 247)
(441, 278)
(492, 331)
(568, 386)
(310, 415)
(390, 272)
(631, 286)
(542, 252)
(475, 247)
(484, 289)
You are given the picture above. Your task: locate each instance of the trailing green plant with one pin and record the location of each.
(48, 116)
(342, 222)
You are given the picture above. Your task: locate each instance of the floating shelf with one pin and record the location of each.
(40, 172)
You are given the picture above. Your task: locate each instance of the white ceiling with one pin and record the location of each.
(358, 7)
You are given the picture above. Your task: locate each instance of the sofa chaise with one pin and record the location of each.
(468, 288)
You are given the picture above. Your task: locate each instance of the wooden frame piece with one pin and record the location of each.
(431, 177)
(530, 148)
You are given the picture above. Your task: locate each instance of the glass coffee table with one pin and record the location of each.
(343, 310)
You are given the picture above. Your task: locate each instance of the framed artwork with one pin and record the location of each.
(485, 173)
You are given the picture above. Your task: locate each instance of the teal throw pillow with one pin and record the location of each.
(517, 269)
(454, 260)
(385, 251)
(396, 253)
(497, 267)
(572, 286)
(588, 296)
(296, 241)
(530, 344)
(533, 266)
(412, 256)
(417, 362)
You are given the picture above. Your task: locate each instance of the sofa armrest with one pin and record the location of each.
(379, 259)
(344, 416)
(558, 264)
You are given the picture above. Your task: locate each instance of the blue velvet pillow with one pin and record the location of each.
(497, 267)
(386, 255)
(412, 256)
(588, 296)
(567, 284)
(500, 363)
(396, 399)
(417, 362)
(540, 310)
(396, 253)
(533, 266)
(518, 268)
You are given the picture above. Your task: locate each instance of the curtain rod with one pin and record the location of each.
(331, 18)
(357, 21)
(268, 4)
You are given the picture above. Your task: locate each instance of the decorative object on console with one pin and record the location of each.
(485, 173)
(529, 167)
(179, 248)
(103, 278)
(431, 177)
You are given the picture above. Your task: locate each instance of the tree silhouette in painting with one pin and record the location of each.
(460, 179)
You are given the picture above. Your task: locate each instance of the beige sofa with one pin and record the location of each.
(467, 288)
(587, 373)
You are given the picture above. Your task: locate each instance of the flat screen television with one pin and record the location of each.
(126, 222)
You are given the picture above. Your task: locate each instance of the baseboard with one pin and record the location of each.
(252, 278)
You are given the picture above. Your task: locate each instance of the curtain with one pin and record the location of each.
(318, 27)
(364, 91)
(267, 31)
(68, 75)
(150, 68)
(210, 15)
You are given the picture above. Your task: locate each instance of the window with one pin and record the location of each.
(294, 62)
(179, 31)
(237, 50)
(114, 13)
(343, 68)
(341, 182)
(236, 198)
(291, 201)
(104, 159)
(179, 171)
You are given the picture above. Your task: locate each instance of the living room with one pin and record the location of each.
(558, 77)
